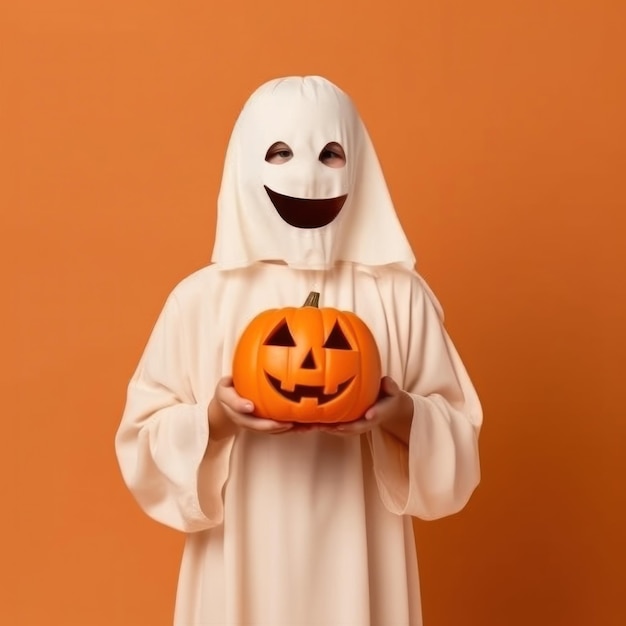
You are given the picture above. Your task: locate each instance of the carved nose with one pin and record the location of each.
(309, 361)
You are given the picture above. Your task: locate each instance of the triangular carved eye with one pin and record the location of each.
(281, 336)
(337, 340)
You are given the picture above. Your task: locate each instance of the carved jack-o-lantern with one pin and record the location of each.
(308, 364)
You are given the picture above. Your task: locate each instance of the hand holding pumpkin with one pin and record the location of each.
(228, 411)
(393, 411)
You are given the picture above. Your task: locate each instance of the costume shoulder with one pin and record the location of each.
(196, 284)
(204, 286)
(409, 285)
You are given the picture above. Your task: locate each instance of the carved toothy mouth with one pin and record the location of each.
(308, 391)
(305, 212)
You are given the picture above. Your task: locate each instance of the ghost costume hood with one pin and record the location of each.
(302, 211)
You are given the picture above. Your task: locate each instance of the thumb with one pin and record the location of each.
(389, 386)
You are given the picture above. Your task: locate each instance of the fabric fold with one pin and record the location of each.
(163, 440)
(434, 473)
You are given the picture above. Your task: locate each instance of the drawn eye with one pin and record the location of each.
(337, 340)
(281, 336)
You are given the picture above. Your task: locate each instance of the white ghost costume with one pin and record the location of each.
(299, 529)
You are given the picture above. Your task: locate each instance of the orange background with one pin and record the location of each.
(500, 126)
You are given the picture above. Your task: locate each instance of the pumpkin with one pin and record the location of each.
(307, 364)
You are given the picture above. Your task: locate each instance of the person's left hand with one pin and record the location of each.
(393, 409)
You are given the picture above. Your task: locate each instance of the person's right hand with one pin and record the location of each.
(229, 411)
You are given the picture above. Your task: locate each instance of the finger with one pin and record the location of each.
(227, 395)
(389, 386)
(378, 411)
(357, 427)
(225, 381)
(304, 427)
(260, 424)
(390, 390)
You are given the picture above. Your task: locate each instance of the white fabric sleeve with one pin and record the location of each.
(434, 473)
(162, 444)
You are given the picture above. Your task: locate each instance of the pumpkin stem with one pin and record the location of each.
(313, 299)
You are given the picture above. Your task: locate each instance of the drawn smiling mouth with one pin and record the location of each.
(308, 391)
(305, 212)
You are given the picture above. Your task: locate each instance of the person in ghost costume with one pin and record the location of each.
(292, 526)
